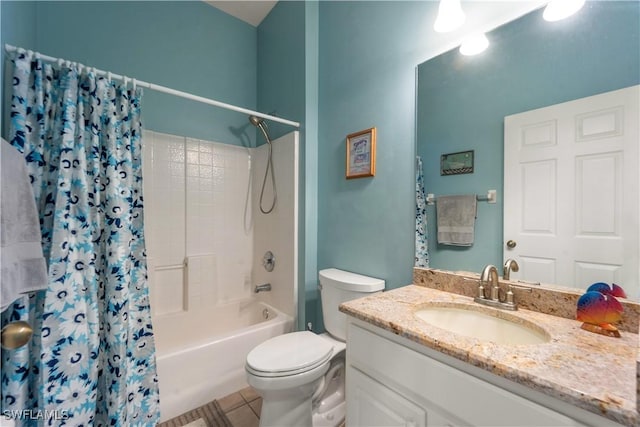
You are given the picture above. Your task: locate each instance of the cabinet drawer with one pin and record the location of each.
(472, 400)
(375, 405)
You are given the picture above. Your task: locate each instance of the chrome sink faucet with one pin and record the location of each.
(509, 266)
(489, 277)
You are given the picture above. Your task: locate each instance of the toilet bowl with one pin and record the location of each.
(328, 402)
(300, 375)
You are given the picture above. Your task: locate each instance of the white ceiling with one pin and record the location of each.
(252, 12)
(482, 16)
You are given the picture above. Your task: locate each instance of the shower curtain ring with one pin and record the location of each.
(134, 84)
(109, 76)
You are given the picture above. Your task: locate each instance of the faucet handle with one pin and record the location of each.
(481, 288)
(509, 299)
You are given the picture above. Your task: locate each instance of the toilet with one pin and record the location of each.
(300, 375)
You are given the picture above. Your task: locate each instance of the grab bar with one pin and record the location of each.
(172, 267)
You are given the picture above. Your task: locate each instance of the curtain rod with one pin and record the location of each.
(163, 89)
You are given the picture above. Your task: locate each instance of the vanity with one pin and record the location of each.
(402, 370)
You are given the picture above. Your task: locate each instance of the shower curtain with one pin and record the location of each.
(422, 253)
(92, 358)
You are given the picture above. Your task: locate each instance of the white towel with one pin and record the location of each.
(456, 219)
(22, 267)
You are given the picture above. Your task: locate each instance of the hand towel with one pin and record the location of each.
(456, 218)
(22, 267)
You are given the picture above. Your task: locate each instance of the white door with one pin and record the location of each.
(571, 183)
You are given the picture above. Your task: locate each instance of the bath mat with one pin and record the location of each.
(209, 415)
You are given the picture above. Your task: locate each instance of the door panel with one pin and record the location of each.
(571, 191)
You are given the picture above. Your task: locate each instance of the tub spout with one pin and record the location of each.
(262, 288)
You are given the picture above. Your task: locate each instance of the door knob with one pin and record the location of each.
(16, 335)
(511, 244)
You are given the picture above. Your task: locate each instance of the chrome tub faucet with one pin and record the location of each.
(262, 288)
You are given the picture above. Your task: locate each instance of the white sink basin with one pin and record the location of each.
(483, 326)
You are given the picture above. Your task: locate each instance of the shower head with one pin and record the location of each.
(262, 125)
(256, 121)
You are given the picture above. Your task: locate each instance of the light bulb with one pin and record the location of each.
(560, 9)
(474, 44)
(450, 16)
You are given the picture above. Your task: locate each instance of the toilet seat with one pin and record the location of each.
(289, 354)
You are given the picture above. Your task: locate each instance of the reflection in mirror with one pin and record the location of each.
(530, 64)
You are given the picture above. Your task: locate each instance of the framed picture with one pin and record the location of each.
(361, 154)
(456, 163)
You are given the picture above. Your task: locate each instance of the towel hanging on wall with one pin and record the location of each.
(23, 268)
(456, 218)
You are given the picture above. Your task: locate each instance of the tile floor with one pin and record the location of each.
(242, 407)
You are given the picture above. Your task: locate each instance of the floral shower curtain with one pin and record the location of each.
(422, 253)
(92, 358)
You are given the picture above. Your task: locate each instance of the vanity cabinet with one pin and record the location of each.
(392, 381)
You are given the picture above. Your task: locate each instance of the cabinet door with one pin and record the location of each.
(372, 404)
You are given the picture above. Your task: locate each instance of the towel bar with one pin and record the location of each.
(490, 197)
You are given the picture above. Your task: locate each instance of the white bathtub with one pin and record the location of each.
(201, 355)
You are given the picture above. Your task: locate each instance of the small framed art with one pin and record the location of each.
(361, 154)
(456, 163)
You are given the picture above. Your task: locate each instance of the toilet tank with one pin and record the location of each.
(338, 286)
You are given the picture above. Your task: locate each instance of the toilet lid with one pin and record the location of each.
(290, 354)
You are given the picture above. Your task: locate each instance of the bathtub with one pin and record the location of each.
(201, 355)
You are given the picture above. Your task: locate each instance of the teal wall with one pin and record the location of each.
(287, 87)
(189, 46)
(311, 127)
(281, 65)
(530, 64)
(368, 55)
(17, 23)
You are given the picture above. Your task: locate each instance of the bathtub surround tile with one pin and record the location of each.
(169, 291)
(243, 417)
(201, 283)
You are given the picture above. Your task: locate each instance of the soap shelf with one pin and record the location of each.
(490, 197)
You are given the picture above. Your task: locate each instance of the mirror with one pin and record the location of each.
(530, 63)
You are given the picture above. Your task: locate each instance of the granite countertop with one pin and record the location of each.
(588, 370)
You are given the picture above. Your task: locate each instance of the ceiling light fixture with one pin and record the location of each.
(474, 44)
(450, 16)
(560, 9)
